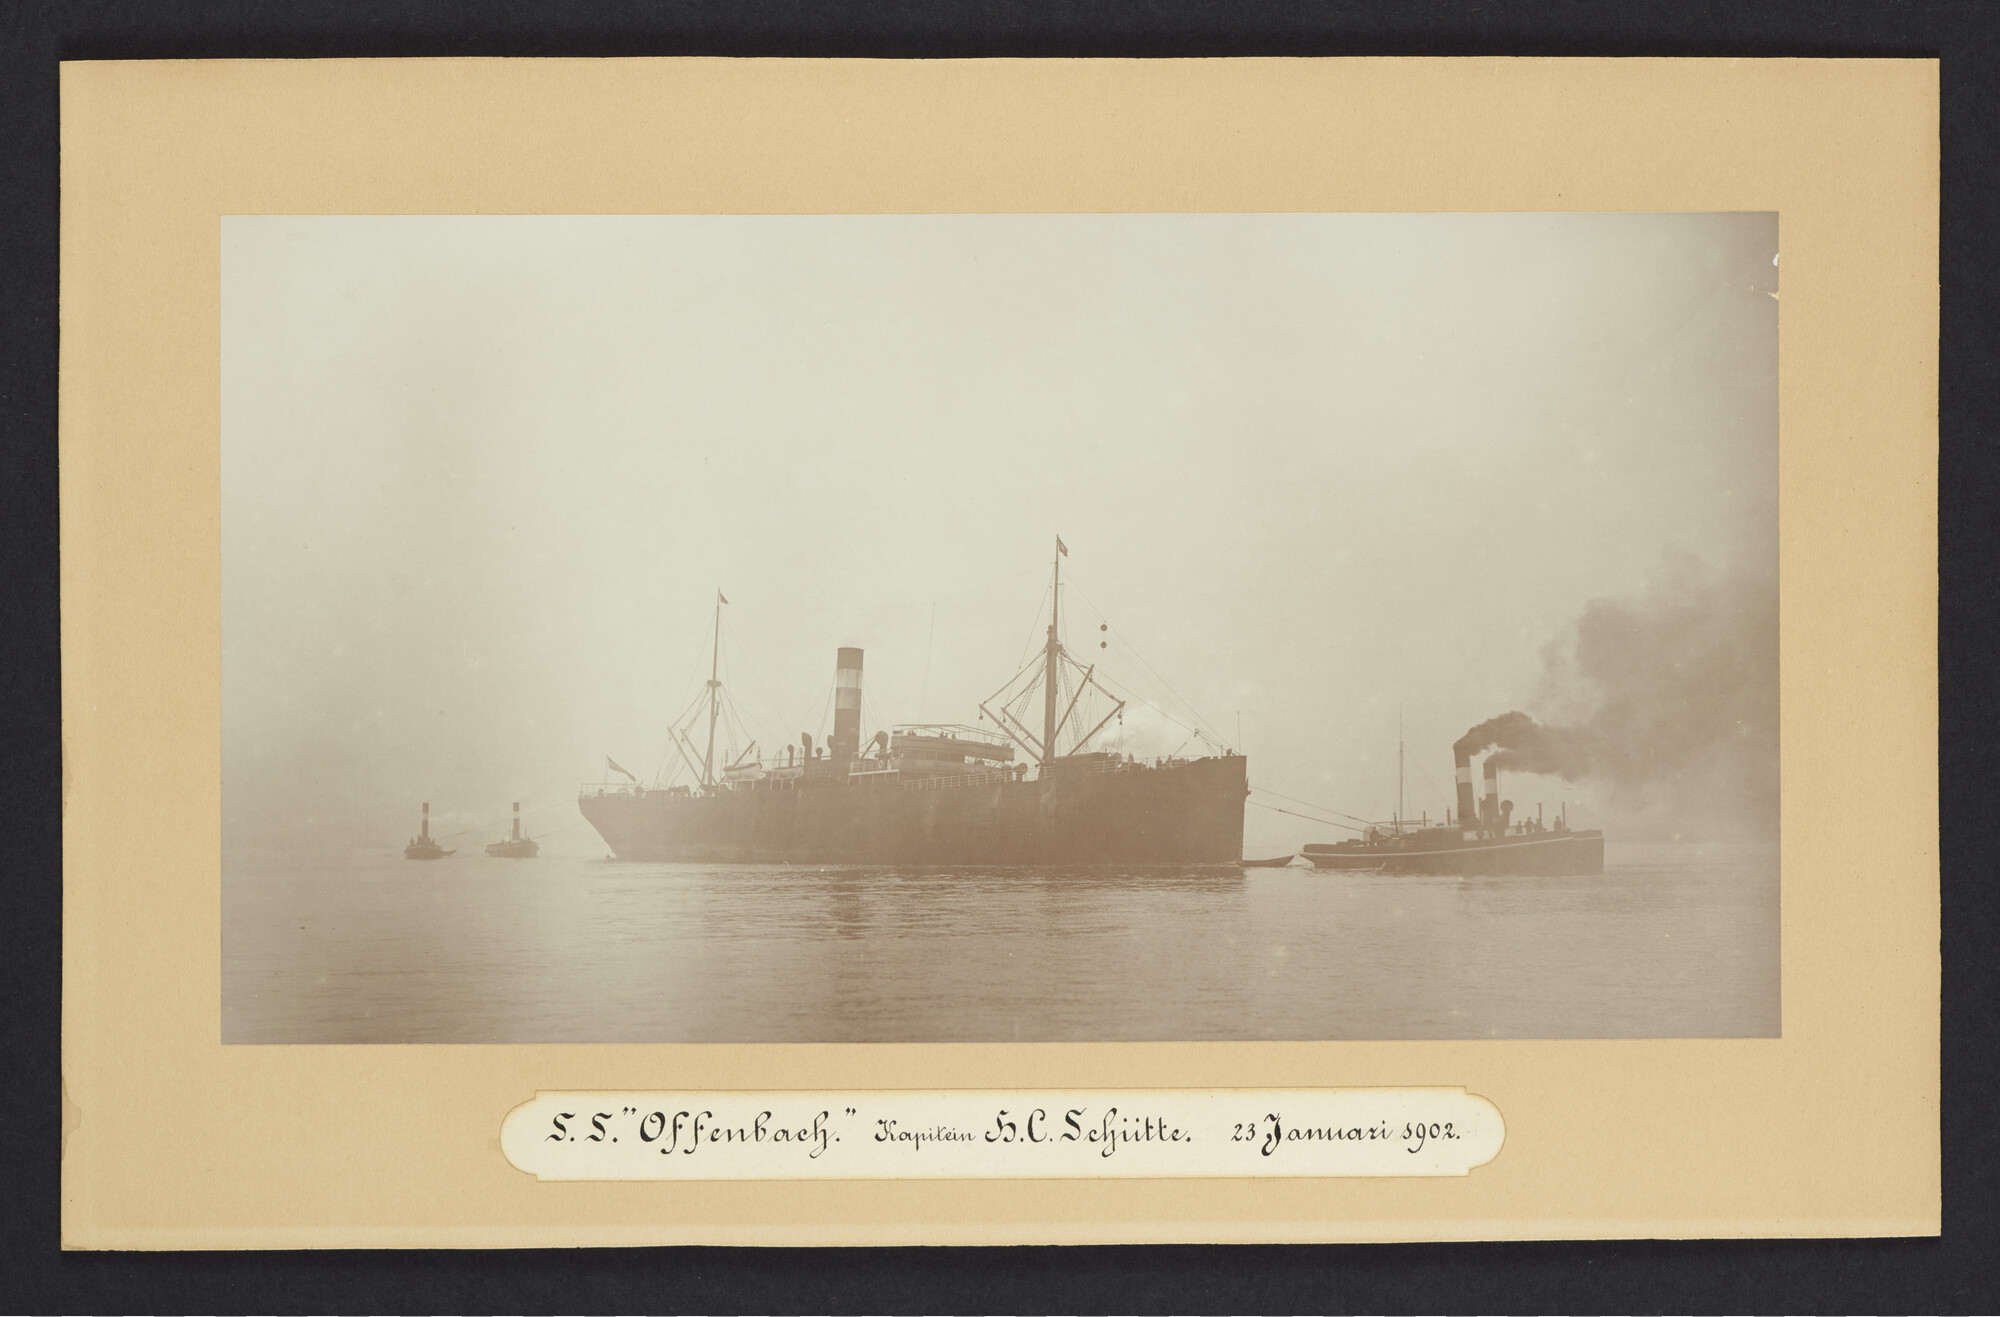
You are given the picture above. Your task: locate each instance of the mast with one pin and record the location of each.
(1399, 768)
(1013, 697)
(1053, 660)
(714, 695)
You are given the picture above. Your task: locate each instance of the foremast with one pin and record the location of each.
(700, 761)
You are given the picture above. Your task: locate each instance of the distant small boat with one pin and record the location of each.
(515, 847)
(421, 846)
(1278, 863)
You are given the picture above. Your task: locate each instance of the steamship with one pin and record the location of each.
(936, 793)
(1482, 839)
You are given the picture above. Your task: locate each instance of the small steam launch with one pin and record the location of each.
(1483, 837)
(515, 847)
(421, 846)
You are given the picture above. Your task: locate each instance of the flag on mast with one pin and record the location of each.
(1061, 548)
(721, 598)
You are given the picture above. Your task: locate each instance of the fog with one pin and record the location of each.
(1671, 702)
(1321, 477)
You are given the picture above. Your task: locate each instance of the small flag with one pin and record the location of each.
(614, 767)
(1061, 548)
(721, 598)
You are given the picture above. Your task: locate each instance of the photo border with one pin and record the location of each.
(324, 1147)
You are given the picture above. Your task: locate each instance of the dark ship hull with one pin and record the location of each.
(1445, 852)
(1101, 811)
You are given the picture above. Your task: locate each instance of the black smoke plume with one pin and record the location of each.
(1667, 701)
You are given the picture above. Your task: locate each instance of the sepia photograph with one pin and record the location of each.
(917, 628)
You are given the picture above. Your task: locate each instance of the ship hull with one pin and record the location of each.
(1189, 812)
(1538, 854)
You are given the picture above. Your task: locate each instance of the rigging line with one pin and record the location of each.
(1324, 809)
(1295, 814)
(1128, 645)
(761, 685)
(924, 699)
(487, 829)
(485, 826)
(694, 685)
(1433, 781)
(1134, 697)
(798, 721)
(825, 710)
(746, 722)
(1037, 628)
(1125, 642)
(563, 829)
(756, 677)
(969, 591)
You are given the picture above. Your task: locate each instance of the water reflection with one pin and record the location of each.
(357, 947)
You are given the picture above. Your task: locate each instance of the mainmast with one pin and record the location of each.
(1054, 658)
(714, 694)
(1008, 706)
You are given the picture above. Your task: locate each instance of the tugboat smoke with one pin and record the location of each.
(1669, 699)
(1525, 746)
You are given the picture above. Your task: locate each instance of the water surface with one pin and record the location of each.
(365, 947)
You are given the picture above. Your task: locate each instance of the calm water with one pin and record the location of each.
(1672, 941)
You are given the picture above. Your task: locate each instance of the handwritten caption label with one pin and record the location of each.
(996, 1134)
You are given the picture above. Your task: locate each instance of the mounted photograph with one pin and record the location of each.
(999, 628)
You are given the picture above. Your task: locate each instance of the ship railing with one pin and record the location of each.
(1115, 765)
(954, 732)
(956, 780)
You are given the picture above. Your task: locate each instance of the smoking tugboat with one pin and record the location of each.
(1485, 840)
(421, 846)
(515, 847)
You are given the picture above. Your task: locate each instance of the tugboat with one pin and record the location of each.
(421, 846)
(1484, 840)
(515, 847)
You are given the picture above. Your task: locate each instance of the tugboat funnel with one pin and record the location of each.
(1467, 814)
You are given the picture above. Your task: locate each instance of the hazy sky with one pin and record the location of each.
(482, 477)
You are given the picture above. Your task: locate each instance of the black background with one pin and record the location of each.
(1954, 1274)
